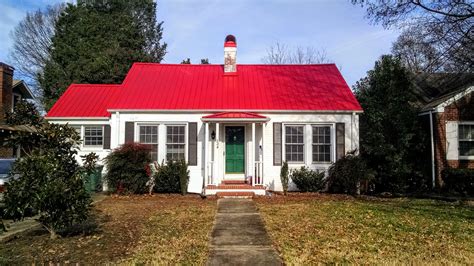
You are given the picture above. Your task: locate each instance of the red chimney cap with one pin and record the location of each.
(230, 41)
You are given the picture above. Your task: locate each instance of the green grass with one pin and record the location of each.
(339, 229)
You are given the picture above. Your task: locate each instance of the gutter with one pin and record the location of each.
(432, 151)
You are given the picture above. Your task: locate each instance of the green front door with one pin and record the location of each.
(234, 150)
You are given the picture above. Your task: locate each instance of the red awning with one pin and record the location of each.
(235, 116)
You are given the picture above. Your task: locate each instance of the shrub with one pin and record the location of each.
(284, 177)
(126, 168)
(308, 180)
(50, 180)
(172, 177)
(459, 180)
(346, 175)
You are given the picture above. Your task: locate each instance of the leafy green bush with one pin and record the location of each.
(308, 180)
(50, 179)
(459, 180)
(172, 177)
(284, 177)
(346, 175)
(126, 168)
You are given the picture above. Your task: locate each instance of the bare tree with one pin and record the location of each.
(446, 25)
(282, 54)
(32, 41)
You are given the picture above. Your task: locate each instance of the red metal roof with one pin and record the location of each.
(85, 100)
(205, 87)
(232, 115)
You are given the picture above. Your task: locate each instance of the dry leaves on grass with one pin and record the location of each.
(338, 229)
(122, 222)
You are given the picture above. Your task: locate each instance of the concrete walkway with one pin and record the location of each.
(239, 237)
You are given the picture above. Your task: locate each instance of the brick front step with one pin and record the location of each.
(233, 182)
(226, 186)
(237, 194)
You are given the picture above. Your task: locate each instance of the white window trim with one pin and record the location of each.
(83, 137)
(332, 150)
(461, 157)
(136, 136)
(299, 163)
(185, 124)
(13, 99)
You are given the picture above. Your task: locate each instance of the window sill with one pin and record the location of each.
(468, 158)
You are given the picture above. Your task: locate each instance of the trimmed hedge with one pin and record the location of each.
(172, 177)
(459, 180)
(308, 180)
(126, 168)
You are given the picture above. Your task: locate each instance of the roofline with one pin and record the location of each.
(76, 118)
(26, 87)
(440, 107)
(203, 65)
(228, 110)
(235, 119)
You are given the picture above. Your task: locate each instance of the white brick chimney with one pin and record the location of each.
(230, 55)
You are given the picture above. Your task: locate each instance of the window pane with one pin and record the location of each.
(294, 137)
(93, 136)
(175, 143)
(466, 132)
(321, 144)
(149, 135)
(466, 148)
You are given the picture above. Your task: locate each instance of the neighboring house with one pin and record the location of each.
(232, 123)
(11, 92)
(447, 108)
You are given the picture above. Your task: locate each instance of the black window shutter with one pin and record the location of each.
(106, 137)
(129, 132)
(192, 143)
(340, 140)
(277, 156)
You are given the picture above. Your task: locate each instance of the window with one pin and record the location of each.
(294, 144)
(149, 136)
(175, 143)
(93, 135)
(16, 99)
(321, 144)
(466, 140)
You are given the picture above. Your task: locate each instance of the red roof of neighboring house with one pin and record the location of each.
(151, 86)
(85, 100)
(235, 115)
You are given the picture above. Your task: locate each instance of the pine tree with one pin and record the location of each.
(390, 135)
(97, 42)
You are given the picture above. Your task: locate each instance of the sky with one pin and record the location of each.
(197, 28)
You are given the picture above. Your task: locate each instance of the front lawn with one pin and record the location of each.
(169, 229)
(341, 229)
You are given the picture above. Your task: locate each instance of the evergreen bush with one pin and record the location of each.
(346, 175)
(459, 180)
(307, 180)
(172, 177)
(126, 168)
(284, 177)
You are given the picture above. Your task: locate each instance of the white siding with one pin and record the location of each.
(217, 148)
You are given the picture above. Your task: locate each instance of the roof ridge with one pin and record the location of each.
(204, 65)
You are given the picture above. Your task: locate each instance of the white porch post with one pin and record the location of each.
(214, 164)
(252, 154)
(264, 126)
(206, 152)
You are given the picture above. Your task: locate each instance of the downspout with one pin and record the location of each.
(432, 151)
